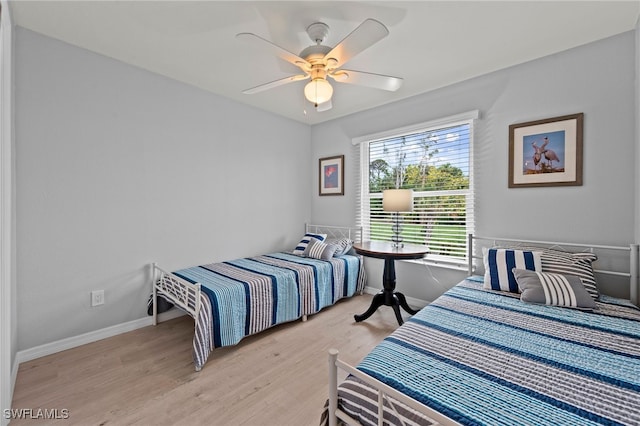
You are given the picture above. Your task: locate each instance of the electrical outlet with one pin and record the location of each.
(97, 297)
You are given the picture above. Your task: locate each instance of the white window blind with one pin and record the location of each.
(436, 162)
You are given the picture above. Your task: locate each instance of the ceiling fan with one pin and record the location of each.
(319, 62)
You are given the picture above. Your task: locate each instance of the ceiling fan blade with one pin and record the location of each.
(275, 83)
(276, 50)
(367, 34)
(325, 106)
(377, 81)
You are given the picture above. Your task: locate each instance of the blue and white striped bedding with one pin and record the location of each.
(483, 358)
(245, 296)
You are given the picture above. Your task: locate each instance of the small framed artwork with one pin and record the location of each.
(546, 152)
(332, 175)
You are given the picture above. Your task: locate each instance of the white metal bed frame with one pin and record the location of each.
(353, 233)
(186, 296)
(389, 394)
(178, 291)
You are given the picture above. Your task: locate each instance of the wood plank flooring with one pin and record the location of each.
(144, 377)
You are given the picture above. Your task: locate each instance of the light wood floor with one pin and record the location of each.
(278, 377)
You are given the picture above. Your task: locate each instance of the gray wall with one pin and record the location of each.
(117, 167)
(596, 79)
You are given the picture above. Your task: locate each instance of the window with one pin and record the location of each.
(435, 161)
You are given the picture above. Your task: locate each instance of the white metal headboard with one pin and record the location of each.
(336, 232)
(632, 272)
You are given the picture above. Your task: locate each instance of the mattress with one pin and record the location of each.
(483, 357)
(245, 296)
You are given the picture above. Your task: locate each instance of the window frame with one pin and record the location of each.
(363, 212)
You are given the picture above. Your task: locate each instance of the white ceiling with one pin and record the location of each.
(431, 43)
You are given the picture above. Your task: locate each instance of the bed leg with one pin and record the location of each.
(304, 318)
(333, 387)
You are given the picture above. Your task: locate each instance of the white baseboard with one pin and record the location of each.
(412, 301)
(92, 336)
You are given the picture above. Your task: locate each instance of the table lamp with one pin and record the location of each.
(396, 201)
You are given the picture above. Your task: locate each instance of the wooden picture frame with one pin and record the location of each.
(546, 152)
(331, 175)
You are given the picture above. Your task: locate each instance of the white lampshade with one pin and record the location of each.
(397, 200)
(318, 91)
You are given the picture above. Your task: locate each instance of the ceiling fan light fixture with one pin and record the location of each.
(319, 62)
(318, 91)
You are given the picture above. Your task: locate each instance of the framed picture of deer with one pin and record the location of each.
(546, 152)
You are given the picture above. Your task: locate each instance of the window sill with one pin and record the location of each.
(440, 263)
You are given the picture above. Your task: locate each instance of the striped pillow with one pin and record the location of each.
(568, 263)
(299, 250)
(553, 289)
(578, 264)
(343, 246)
(498, 265)
(319, 250)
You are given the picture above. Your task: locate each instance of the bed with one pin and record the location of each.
(486, 356)
(237, 298)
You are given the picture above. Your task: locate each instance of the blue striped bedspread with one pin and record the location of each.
(482, 358)
(245, 296)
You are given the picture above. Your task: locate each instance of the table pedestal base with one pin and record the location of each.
(385, 298)
(388, 296)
